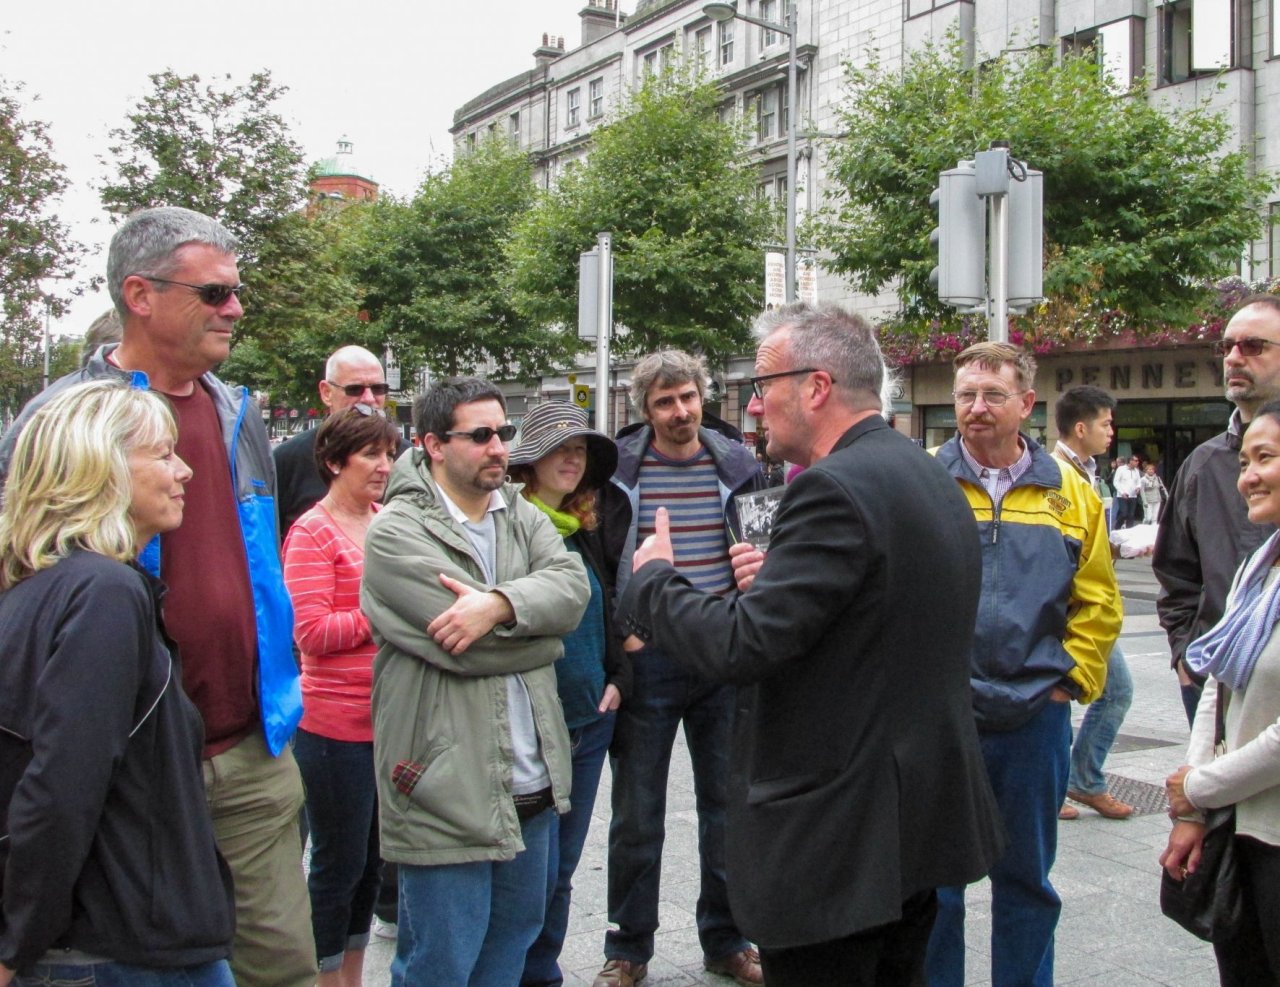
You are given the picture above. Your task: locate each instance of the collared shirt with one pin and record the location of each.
(480, 533)
(1086, 465)
(998, 482)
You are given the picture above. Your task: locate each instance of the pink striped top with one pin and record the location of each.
(322, 569)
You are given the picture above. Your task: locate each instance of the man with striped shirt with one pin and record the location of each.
(674, 463)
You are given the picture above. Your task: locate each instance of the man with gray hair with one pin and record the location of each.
(857, 784)
(695, 474)
(352, 375)
(173, 277)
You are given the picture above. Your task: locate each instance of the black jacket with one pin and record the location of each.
(110, 847)
(1204, 535)
(617, 663)
(856, 779)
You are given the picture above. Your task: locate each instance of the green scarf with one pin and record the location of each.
(566, 524)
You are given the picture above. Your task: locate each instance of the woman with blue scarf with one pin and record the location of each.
(562, 462)
(1242, 654)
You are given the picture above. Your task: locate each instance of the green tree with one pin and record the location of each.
(226, 153)
(669, 181)
(301, 306)
(1142, 207)
(35, 247)
(432, 269)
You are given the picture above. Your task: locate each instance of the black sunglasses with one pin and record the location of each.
(355, 390)
(484, 433)
(211, 294)
(1249, 346)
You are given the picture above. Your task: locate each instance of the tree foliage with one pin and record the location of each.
(1142, 207)
(669, 181)
(227, 153)
(432, 269)
(223, 152)
(36, 248)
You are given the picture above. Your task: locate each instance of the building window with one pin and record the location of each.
(916, 8)
(1201, 37)
(1275, 28)
(771, 113)
(726, 42)
(595, 97)
(471, 141)
(572, 106)
(513, 128)
(774, 189)
(777, 12)
(703, 46)
(727, 111)
(1114, 45)
(657, 60)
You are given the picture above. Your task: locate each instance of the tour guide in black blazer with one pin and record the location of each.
(856, 779)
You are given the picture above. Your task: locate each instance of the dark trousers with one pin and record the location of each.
(1251, 958)
(887, 956)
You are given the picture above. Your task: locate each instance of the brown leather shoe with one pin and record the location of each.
(743, 966)
(1105, 805)
(620, 973)
(1068, 811)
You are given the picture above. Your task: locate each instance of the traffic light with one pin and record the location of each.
(961, 238)
(1026, 240)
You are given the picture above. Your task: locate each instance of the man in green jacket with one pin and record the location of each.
(469, 589)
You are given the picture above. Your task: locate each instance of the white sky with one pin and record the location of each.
(387, 74)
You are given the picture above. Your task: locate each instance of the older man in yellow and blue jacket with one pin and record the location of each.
(1048, 616)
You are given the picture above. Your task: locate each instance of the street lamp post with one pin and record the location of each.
(728, 11)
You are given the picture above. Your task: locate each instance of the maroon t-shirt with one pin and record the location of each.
(209, 608)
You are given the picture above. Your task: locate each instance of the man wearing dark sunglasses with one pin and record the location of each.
(1205, 532)
(173, 277)
(468, 588)
(352, 375)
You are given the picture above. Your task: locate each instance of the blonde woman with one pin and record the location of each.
(110, 874)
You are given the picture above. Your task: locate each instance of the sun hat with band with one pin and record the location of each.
(549, 425)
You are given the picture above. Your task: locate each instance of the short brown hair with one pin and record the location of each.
(996, 356)
(346, 433)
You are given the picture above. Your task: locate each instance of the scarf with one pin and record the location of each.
(1230, 650)
(566, 524)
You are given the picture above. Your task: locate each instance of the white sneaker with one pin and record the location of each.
(384, 930)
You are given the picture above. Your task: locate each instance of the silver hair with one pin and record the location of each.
(149, 239)
(666, 368)
(828, 337)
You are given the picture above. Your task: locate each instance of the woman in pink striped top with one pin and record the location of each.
(323, 562)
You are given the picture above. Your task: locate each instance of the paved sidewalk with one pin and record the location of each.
(1111, 933)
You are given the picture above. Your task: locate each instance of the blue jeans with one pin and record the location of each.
(216, 974)
(342, 812)
(470, 925)
(1028, 771)
(1098, 730)
(662, 695)
(589, 745)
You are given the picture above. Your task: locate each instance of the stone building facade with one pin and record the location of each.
(1223, 52)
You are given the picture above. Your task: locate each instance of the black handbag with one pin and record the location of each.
(1208, 903)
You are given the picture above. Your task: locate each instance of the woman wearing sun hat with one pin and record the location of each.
(562, 462)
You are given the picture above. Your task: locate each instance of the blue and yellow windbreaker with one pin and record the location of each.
(1050, 607)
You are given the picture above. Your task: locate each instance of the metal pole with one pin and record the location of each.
(45, 383)
(998, 328)
(792, 123)
(604, 329)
